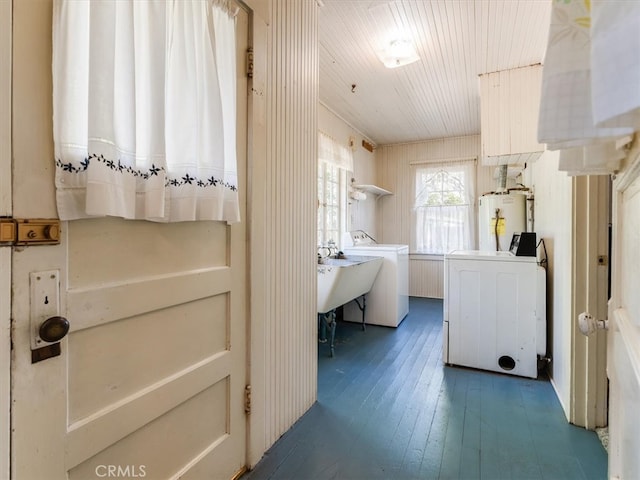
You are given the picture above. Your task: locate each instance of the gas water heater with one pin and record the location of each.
(500, 216)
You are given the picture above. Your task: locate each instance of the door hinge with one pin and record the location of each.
(250, 62)
(247, 399)
(33, 231)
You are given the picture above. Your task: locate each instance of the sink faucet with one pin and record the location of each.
(327, 251)
(333, 248)
(323, 252)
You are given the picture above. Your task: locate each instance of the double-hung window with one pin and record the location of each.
(330, 197)
(334, 161)
(443, 211)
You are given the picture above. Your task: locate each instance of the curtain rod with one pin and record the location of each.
(446, 160)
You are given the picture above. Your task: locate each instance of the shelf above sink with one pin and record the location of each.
(373, 189)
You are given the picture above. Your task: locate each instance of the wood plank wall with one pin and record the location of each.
(283, 215)
(426, 276)
(394, 211)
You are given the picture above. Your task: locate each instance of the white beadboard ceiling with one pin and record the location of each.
(438, 96)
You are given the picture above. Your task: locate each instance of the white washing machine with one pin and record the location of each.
(494, 312)
(388, 301)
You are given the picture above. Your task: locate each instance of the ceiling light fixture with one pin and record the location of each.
(399, 53)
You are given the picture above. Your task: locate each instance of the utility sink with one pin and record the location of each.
(340, 280)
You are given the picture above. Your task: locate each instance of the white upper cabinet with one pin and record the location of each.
(509, 105)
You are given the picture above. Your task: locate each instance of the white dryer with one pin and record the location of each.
(494, 312)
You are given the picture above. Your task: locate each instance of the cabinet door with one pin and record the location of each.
(509, 104)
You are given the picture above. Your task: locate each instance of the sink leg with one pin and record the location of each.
(332, 324)
(322, 328)
(327, 320)
(362, 308)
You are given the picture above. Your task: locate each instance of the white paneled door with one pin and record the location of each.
(150, 379)
(623, 363)
(5, 252)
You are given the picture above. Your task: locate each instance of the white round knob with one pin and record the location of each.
(588, 325)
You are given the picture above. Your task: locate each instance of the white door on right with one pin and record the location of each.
(623, 363)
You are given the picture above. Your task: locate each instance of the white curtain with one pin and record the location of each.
(144, 110)
(444, 199)
(615, 63)
(334, 153)
(593, 160)
(591, 82)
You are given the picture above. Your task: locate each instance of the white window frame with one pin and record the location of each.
(427, 219)
(326, 234)
(336, 159)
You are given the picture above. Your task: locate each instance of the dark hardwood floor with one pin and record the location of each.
(389, 409)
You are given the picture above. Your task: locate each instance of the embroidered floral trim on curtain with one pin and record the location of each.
(333, 152)
(590, 85)
(144, 110)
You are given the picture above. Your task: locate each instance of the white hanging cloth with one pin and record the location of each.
(615, 63)
(600, 159)
(566, 114)
(144, 110)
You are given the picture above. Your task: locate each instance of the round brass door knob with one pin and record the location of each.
(53, 329)
(52, 232)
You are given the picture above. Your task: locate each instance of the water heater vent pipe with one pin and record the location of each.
(502, 178)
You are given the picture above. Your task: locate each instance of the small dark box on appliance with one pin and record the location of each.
(523, 244)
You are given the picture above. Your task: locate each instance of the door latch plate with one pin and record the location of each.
(45, 303)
